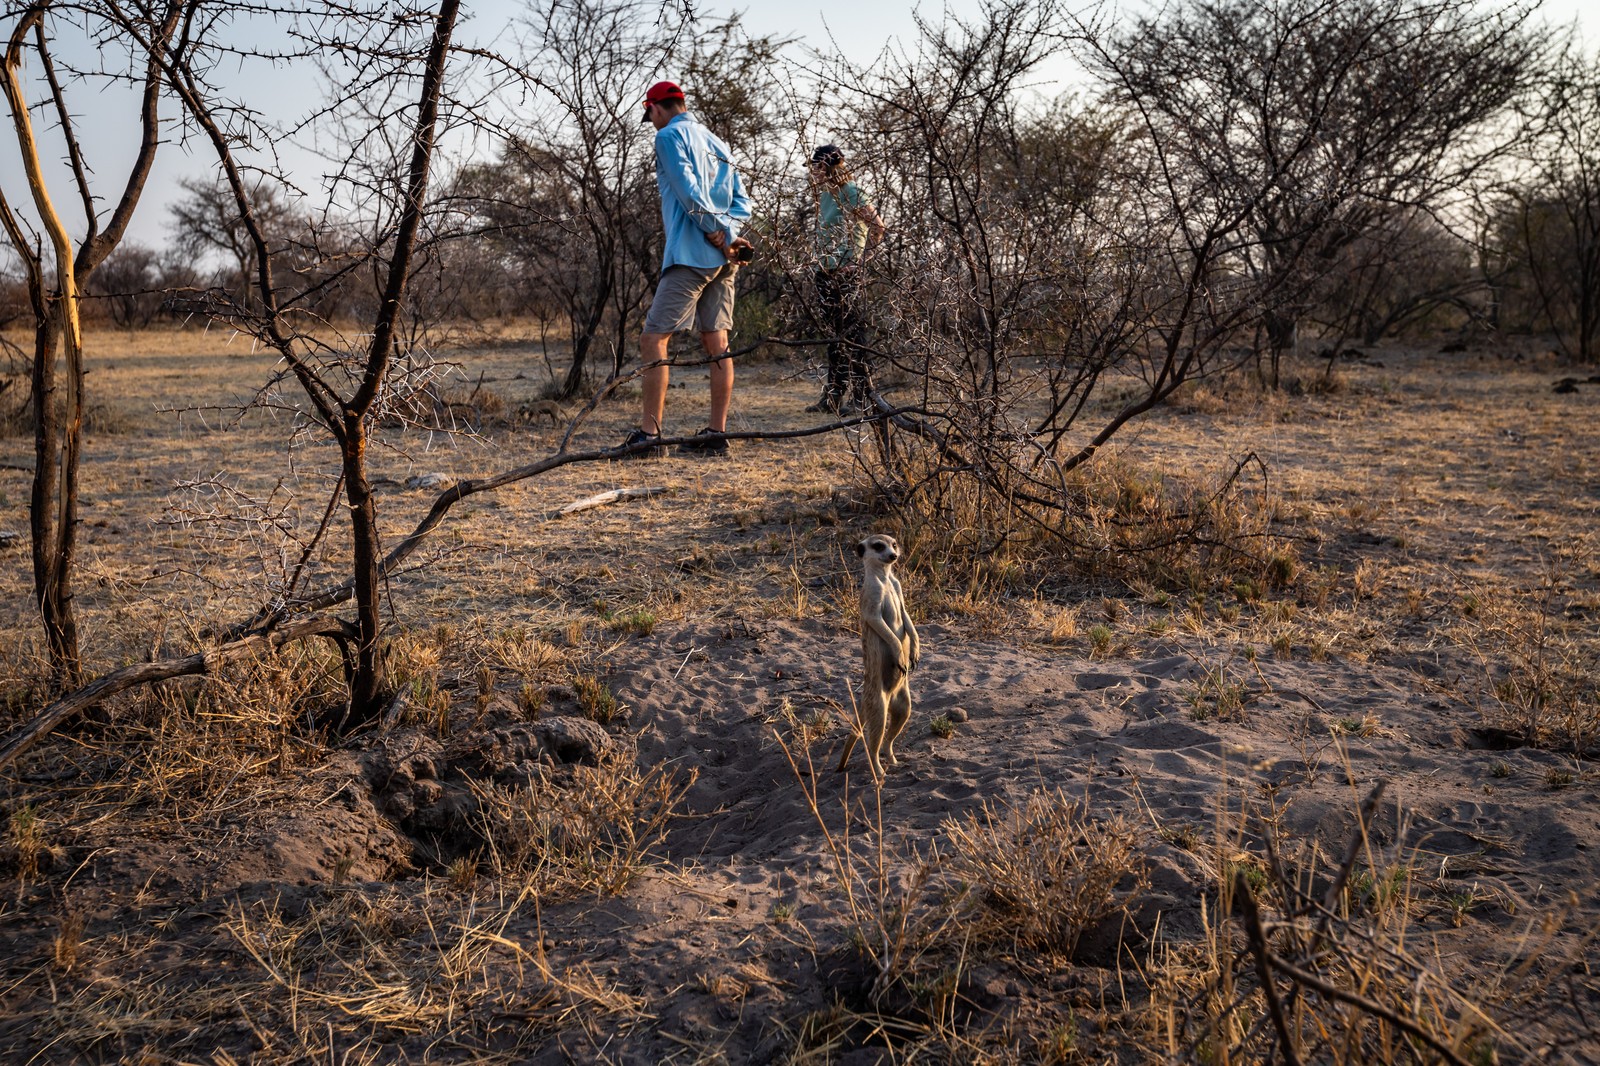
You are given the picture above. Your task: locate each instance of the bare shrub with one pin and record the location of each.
(1206, 531)
(127, 287)
(1152, 237)
(1407, 275)
(1311, 958)
(1303, 121)
(1545, 227)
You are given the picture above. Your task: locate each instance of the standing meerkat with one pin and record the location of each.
(889, 652)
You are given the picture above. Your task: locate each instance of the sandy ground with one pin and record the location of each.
(347, 902)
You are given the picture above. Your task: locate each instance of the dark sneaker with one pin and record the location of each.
(639, 436)
(707, 442)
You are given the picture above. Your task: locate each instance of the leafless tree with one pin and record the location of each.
(344, 382)
(1407, 272)
(570, 206)
(208, 227)
(570, 202)
(1148, 235)
(57, 278)
(1548, 222)
(129, 287)
(1311, 120)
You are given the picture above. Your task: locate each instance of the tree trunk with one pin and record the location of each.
(1283, 331)
(53, 504)
(581, 344)
(366, 687)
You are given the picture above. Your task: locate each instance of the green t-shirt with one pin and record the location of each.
(840, 238)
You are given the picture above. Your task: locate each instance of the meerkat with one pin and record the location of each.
(889, 652)
(537, 409)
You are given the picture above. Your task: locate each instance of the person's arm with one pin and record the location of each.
(876, 230)
(856, 205)
(728, 240)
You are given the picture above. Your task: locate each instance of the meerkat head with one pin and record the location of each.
(878, 548)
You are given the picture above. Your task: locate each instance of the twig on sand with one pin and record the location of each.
(600, 499)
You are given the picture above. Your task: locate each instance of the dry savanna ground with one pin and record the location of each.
(1154, 803)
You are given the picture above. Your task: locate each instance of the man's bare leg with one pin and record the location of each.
(653, 382)
(716, 343)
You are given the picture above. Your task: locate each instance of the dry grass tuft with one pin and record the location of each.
(1212, 532)
(1218, 696)
(595, 699)
(1044, 872)
(25, 849)
(1540, 678)
(69, 937)
(395, 967)
(193, 746)
(591, 834)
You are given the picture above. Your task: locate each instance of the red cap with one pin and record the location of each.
(660, 93)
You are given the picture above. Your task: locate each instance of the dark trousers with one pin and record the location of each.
(838, 292)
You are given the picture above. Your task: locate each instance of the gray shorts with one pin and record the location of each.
(687, 295)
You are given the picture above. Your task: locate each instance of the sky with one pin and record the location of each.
(861, 30)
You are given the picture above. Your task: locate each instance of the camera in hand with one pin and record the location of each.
(744, 253)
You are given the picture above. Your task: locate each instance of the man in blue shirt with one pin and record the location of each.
(702, 205)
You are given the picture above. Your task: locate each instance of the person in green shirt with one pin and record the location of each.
(847, 227)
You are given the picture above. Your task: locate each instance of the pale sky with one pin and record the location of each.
(861, 30)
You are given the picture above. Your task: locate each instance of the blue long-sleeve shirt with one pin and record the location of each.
(700, 193)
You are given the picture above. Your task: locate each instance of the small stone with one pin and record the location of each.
(956, 714)
(572, 739)
(400, 806)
